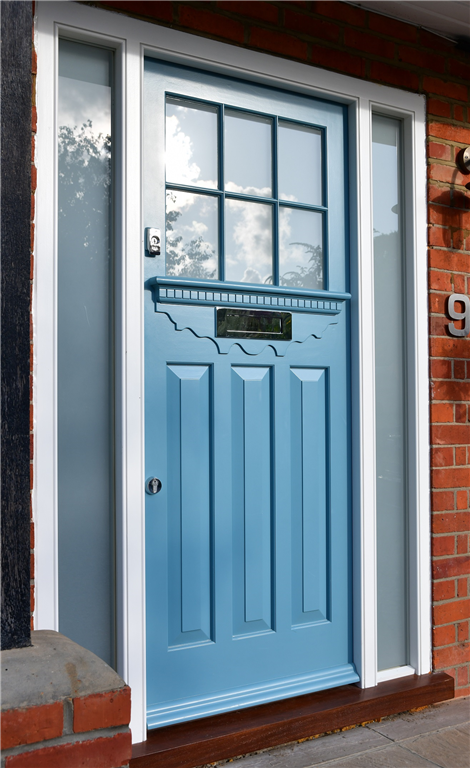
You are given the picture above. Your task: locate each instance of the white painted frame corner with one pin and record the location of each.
(132, 39)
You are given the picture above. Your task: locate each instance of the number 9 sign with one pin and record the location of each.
(456, 315)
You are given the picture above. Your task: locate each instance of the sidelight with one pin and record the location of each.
(85, 348)
(390, 395)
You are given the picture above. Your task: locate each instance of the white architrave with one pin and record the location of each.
(131, 39)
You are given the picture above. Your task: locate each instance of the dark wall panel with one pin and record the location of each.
(16, 28)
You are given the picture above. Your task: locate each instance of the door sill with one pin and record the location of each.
(197, 742)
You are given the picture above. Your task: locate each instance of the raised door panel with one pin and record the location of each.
(252, 471)
(190, 509)
(309, 424)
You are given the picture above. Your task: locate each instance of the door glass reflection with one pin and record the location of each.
(299, 150)
(191, 143)
(85, 342)
(191, 235)
(248, 241)
(248, 153)
(300, 248)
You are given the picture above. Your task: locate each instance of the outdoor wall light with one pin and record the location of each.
(463, 162)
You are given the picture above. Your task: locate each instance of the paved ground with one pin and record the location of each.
(436, 736)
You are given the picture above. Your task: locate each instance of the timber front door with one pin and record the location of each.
(248, 551)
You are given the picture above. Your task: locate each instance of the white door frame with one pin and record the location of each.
(131, 39)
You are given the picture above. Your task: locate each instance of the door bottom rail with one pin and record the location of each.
(208, 739)
(249, 696)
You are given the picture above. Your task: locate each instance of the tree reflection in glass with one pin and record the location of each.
(191, 235)
(300, 248)
(84, 189)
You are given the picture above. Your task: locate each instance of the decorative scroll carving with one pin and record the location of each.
(202, 325)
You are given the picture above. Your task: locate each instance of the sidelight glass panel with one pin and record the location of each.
(191, 235)
(191, 143)
(248, 153)
(248, 241)
(85, 348)
(300, 248)
(300, 163)
(390, 389)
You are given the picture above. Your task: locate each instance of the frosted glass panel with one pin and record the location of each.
(248, 241)
(248, 153)
(390, 372)
(300, 248)
(191, 143)
(300, 167)
(85, 342)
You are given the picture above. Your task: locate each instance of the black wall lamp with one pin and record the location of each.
(463, 162)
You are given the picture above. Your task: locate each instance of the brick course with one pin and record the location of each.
(358, 42)
(112, 752)
(102, 710)
(29, 726)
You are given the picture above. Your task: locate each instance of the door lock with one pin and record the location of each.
(153, 485)
(153, 241)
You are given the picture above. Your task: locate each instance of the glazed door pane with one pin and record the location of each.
(248, 153)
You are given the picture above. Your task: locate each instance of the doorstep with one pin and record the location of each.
(195, 743)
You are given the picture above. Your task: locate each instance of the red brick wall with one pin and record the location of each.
(449, 272)
(79, 731)
(357, 42)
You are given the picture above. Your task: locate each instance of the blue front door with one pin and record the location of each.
(248, 551)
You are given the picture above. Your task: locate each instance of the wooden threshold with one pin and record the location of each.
(194, 743)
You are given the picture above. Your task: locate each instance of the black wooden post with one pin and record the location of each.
(16, 49)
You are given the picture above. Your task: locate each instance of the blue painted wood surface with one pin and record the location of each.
(248, 551)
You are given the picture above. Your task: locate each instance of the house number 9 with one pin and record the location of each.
(456, 315)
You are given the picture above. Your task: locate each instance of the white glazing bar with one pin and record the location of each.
(394, 673)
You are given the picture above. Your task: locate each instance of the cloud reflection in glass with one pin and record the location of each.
(248, 153)
(248, 241)
(191, 143)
